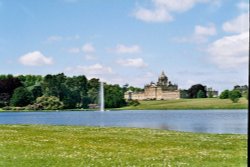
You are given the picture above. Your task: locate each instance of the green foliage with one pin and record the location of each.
(30, 80)
(21, 97)
(53, 85)
(224, 94)
(184, 93)
(93, 95)
(135, 89)
(85, 101)
(201, 94)
(8, 84)
(78, 88)
(193, 91)
(49, 103)
(71, 98)
(132, 102)
(113, 95)
(234, 95)
(36, 91)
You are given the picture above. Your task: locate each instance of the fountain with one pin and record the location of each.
(101, 93)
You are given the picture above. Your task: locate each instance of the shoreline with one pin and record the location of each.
(177, 104)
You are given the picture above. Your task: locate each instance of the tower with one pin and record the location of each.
(162, 80)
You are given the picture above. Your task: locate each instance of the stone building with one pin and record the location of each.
(212, 93)
(162, 90)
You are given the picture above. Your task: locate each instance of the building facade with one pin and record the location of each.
(162, 90)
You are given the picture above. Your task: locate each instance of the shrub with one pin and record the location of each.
(49, 103)
(234, 95)
(7, 108)
(224, 94)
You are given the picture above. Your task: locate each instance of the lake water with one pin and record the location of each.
(206, 121)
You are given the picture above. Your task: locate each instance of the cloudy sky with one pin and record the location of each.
(132, 41)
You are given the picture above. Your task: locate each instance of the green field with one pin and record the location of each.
(38, 145)
(204, 103)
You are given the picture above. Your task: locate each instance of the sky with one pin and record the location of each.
(128, 42)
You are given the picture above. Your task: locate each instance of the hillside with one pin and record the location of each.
(204, 103)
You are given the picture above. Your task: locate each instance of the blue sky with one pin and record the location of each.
(132, 41)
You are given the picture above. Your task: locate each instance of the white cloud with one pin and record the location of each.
(88, 48)
(230, 51)
(74, 50)
(237, 25)
(205, 31)
(35, 58)
(123, 49)
(162, 9)
(137, 62)
(200, 34)
(244, 6)
(91, 71)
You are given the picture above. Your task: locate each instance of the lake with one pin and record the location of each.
(205, 121)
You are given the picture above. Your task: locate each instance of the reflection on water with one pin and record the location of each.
(207, 121)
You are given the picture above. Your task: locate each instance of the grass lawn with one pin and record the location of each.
(38, 145)
(204, 103)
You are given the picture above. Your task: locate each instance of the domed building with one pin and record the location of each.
(162, 90)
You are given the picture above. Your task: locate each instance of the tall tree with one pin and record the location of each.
(21, 97)
(7, 86)
(78, 85)
(113, 95)
(193, 91)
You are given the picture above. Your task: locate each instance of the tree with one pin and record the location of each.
(36, 91)
(78, 85)
(8, 84)
(85, 102)
(184, 93)
(224, 94)
(49, 103)
(234, 95)
(21, 97)
(93, 95)
(113, 96)
(201, 94)
(193, 91)
(94, 83)
(70, 99)
(93, 89)
(30, 80)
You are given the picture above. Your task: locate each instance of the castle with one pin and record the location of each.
(163, 90)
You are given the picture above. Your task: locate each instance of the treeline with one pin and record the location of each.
(201, 91)
(35, 92)
(236, 93)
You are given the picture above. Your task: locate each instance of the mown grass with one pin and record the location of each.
(38, 145)
(203, 103)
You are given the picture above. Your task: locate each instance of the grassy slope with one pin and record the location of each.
(206, 103)
(35, 145)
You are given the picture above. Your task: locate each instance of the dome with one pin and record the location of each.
(162, 75)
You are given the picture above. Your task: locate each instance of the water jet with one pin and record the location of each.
(101, 94)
